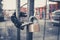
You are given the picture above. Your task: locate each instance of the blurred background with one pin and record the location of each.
(41, 8)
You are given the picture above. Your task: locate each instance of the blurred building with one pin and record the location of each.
(58, 1)
(40, 7)
(54, 0)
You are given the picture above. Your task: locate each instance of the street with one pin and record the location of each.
(9, 31)
(51, 32)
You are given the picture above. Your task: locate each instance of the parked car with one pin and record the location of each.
(56, 18)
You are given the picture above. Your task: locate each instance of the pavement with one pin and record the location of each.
(10, 31)
(51, 32)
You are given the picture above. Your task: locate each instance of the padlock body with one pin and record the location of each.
(34, 27)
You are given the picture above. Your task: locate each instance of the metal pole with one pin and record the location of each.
(47, 9)
(17, 15)
(45, 20)
(59, 23)
(58, 33)
(30, 13)
(44, 26)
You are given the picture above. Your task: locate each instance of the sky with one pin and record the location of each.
(11, 4)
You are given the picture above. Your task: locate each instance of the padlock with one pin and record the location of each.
(35, 27)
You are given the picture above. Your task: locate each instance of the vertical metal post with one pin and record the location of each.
(58, 33)
(59, 23)
(46, 11)
(30, 13)
(44, 26)
(17, 15)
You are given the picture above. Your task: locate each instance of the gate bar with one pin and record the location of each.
(46, 12)
(17, 15)
(30, 13)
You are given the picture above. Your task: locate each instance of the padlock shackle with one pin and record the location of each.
(32, 18)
